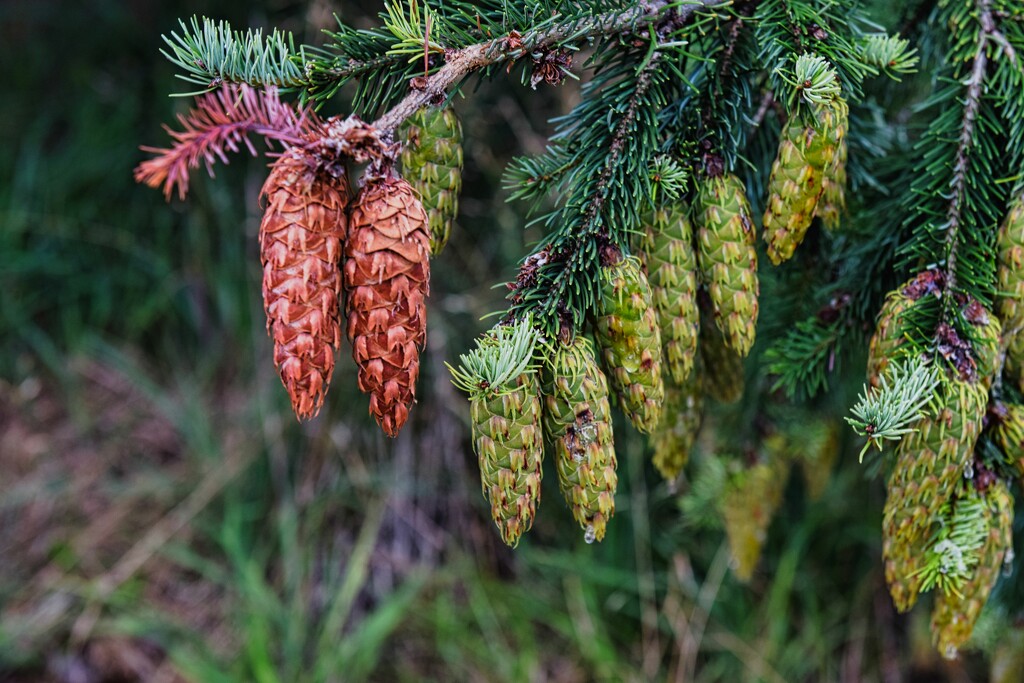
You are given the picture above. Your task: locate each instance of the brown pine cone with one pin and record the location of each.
(301, 234)
(387, 277)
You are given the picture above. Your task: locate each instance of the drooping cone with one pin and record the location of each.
(954, 616)
(832, 204)
(505, 409)
(929, 464)
(510, 447)
(1007, 420)
(814, 444)
(889, 331)
(387, 276)
(806, 152)
(673, 440)
(728, 260)
(666, 249)
(748, 504)
(722, 377)
(432, 163)
(300, 243)
(577, 421)
(626, 330)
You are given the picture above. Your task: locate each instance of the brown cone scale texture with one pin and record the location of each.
(301, 234)
(387, 275)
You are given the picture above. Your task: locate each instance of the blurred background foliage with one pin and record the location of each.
(164, 518)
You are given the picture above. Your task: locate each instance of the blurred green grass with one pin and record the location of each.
(163, 518)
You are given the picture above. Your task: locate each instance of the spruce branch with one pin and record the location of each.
(887, 413)
(221, 122)
(460, 63)
(972, 102)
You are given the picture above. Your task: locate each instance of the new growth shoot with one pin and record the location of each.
(887, 413)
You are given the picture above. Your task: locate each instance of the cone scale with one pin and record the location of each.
(300, 237)
(387, 274)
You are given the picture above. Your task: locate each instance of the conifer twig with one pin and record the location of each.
(222, 122)
(460, 63)
(972, 103)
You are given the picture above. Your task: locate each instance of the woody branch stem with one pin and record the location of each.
(460, 63)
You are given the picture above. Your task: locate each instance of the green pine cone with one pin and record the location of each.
(954, 616)
(747, 506)
(723, 377)
(577, 421)
(832, 203)
(432, 163)
(510, 446)
(806, 153)
(888, 338)
(626, 330)
(680, 422)
(929, 464)
(728, 259)
(814, 443)
(1010, 267)
(1008, 432)
(666, 249)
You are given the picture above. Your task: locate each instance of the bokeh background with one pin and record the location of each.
(164, 518)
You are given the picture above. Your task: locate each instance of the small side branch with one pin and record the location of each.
(972, 103)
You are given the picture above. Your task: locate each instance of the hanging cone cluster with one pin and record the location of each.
(673, 440)
(747, 506)
(954, 614)
(807, 153)
(577, 422)
(301, 235)
(626, 329)
(387, 274)
(728, 260)
(666, 250)
(1010, 277)
(432, 163)
(928, 466)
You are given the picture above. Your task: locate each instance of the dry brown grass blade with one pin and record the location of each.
(156, 537)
